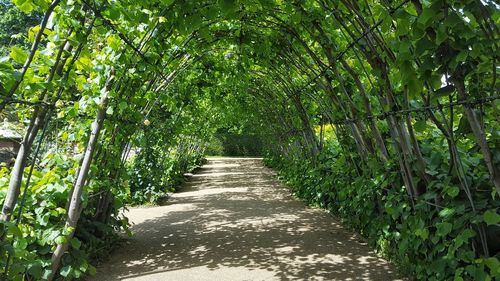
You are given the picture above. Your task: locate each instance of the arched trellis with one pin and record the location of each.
(363, 92)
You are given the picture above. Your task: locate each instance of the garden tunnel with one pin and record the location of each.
(384, 112)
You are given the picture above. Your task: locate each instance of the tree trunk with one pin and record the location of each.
(480, 135)
(16, 175)
(36, 123)
(309, 135)
(373, 125)
(75, 208)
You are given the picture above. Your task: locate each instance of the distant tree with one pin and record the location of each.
(14, 26)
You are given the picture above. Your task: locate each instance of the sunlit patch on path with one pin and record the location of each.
(233, 221)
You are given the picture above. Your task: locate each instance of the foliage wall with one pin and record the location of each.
(228, 143)
(384, 112)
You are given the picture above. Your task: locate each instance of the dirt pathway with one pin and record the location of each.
(233, 221)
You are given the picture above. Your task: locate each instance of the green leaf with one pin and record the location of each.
(18, 55)
(114, 42)
(452, 19)
(414, 85)
(441, 35)
(463, 237)
(462, 56)
(25, 5)
(463, 126)
(60, 240)
(405, 50)
(77, 273)
(403, 27)
(46, 274)
(491, 217)
(43, 220)
(75, 243)
(420, 126)
(68, 230)
(458, 277)
(20, 244)
(493, 263)
(36, 269)
(452, 191)
(14, 230)
(113, 13)
(122, 106)
(91, 270)
(427, 14)
(228, 7)
(65, 271)
(423, 45)
(109, 111)
(446, 212)
(444, 91)
(443, 228)
(422, 233)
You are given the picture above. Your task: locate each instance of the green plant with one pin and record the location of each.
(386, 113)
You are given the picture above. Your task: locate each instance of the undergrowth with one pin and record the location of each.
(433, 238)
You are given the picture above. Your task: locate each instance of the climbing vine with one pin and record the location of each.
(384, 112)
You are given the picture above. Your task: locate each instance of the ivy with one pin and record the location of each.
(383, 113)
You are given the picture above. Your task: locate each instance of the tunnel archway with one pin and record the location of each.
(383, 112)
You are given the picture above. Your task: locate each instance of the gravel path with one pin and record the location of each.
(233, 221)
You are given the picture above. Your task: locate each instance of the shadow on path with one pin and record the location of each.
(233, 221)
